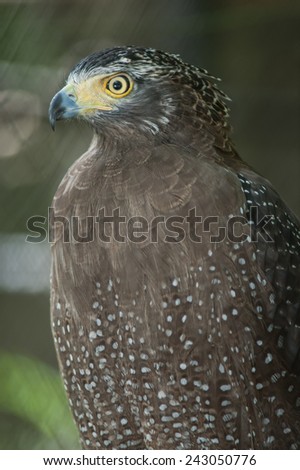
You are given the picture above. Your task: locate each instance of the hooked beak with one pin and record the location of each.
(63, 106)
(83, 100)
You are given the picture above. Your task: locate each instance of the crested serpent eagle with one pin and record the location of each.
(175, 285)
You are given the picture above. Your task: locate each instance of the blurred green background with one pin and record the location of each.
(254, 46)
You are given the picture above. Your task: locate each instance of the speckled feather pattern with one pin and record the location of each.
(181, 345)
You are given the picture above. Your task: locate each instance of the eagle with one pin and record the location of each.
(175, 279)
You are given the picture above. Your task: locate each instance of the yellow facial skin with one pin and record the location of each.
(84, 99)
(99, 92)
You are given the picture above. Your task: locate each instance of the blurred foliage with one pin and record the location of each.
(32, 393)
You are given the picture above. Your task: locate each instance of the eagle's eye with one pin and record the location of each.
(118, 86)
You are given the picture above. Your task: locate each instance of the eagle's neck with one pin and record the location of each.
(115, 148)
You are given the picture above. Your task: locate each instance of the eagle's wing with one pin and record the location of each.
(276, 234)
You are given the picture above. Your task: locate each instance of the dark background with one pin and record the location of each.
(254, 46)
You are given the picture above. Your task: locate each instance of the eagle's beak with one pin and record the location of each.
(84, 99)
(63, 106)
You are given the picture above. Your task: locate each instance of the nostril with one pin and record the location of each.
(70, 95)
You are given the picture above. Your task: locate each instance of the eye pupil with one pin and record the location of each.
(117, 85)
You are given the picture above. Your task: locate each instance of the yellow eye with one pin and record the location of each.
(118, 86)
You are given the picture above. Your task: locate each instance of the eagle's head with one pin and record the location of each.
(138, 88)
